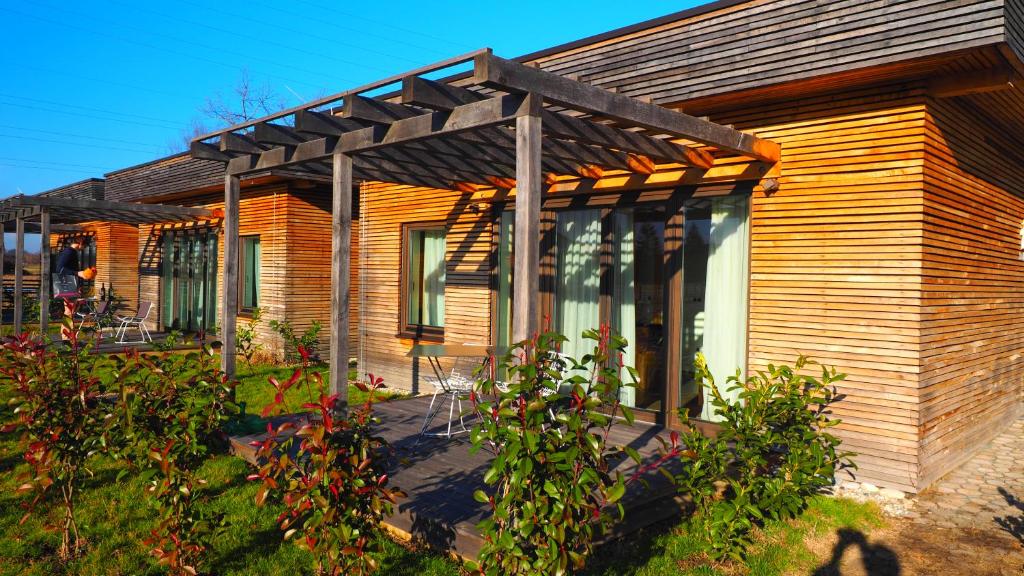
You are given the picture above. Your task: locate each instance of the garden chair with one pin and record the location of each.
(102, 316)
(138, 322)
(450, 388)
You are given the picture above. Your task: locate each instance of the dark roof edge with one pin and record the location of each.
(147, 163)
(67, 186)
(632, 28)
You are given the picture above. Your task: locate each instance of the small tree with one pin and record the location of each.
(333, 484)
(58, 412)
(245, 338)
(548, 429)
(174, 409)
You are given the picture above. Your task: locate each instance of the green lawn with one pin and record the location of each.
(115, 518)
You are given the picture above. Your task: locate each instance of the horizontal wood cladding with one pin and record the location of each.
(171, 175)
(767, 42)
(973, 283)
(836, 261)
(384, 208)
(90, 189)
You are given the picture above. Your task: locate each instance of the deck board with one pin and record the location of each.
(440, 476)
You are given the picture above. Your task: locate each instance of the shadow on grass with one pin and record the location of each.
(877, 560)
(1012, 524)
(259, 544)
(628, 554)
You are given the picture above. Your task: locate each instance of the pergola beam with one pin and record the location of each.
(26, 206)
(495, 72)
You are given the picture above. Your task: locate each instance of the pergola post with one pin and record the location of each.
(529, 180)
(341, 248)
(19, 271)
(3, 255)
(44, 272)
(229, 300)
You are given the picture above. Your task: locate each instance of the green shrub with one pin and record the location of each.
(245, 338)
(551, 489)
(330, 476)
(173, 411)
(772, 453)
(308, 341)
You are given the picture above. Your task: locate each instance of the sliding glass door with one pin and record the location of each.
(189, 279)
(672, 283)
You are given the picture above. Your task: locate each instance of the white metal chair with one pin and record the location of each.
(451, 388)
(138, 322)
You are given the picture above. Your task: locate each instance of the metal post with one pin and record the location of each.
(341, 248)
(229, 308)
(529, 180)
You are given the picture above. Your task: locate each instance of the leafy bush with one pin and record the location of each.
(61, 419)
(174, 408)
(548, 430)
(772, 453)
(333, 485)
(308, 341)
(245, 338)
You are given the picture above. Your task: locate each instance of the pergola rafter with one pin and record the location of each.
(503, 124)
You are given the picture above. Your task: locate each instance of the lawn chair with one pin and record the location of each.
(138, 322)
(101, 317)
(450, 388)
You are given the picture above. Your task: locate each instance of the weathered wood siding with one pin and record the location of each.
(972, 322)
(765, 42)
(175, 174)
(836, 261)
(384, 208)
(294, 227)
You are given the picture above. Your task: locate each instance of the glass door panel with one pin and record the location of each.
(189, 275)
(578, 278)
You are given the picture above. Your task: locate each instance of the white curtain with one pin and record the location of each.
(579, 279)
(725, 297)
(429, 277)
(624, 311)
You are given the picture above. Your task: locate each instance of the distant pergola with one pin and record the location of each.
(51, 214)
(504, 124)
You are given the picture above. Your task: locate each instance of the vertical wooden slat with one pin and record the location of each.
(229, 308)
(19, 272)
(44, 271)
(529, 179)
(341, 249)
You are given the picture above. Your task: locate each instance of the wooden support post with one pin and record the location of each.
(341, 249)
(19, 272)
(529, 182)
(44, 272)
(229, 300)
(3, 253)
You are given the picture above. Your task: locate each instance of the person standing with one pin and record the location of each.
(68, 267)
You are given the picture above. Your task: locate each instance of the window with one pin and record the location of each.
(249, 269)
(423, 278)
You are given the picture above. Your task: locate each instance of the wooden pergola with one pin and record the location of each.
(503, 124)
(52, 214)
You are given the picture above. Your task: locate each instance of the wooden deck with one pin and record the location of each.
(440, 475)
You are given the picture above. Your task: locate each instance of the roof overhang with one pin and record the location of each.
(73, 211)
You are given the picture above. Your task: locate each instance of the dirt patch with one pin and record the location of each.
(904, 548)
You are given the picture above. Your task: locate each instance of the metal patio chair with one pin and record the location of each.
(450, 388)
(138, 322)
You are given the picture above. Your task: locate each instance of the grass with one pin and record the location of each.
(115, 518)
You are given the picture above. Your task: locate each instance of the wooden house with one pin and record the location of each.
(752, 179)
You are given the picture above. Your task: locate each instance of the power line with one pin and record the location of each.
(79, 144)
(265, 41)
(53, 72)
(88, 136)
(308, 34)
(321, 7)
(160, 48)
(59, 108)
(49, 169)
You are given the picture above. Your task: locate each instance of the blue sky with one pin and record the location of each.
(96, 86)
